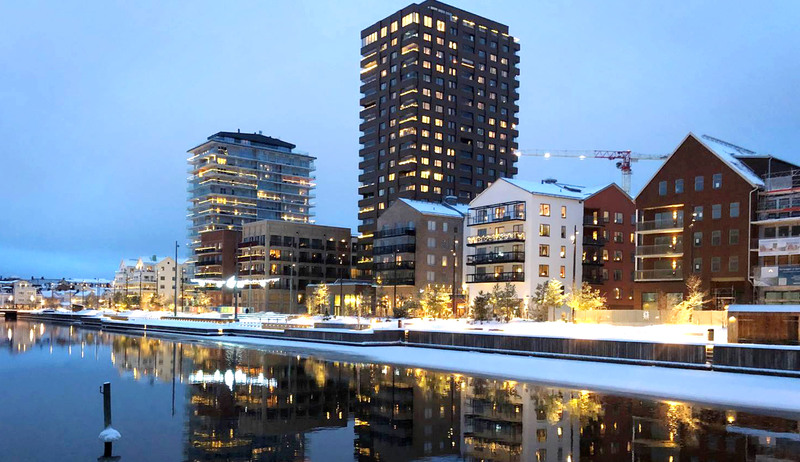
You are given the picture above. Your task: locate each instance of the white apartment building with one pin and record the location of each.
(524, 233)
(147, 275)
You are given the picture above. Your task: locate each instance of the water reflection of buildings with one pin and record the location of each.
(243, 404)
(507, 421)
(264, 407)
(406, 414)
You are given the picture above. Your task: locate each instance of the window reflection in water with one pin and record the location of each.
(247, 404)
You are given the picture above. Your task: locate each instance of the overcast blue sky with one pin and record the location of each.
(100, 100)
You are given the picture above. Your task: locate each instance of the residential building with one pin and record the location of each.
(776, 273)
(294, 255)
(523, 233)
(418, 244)
(238, 178)
(609, 217)
(438, 109)
(139, 279)
(349, 291)
(699, 215)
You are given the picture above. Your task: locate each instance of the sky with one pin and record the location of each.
(99, 102)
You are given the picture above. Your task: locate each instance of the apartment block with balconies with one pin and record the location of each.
(439, 92)
(237, 178)
(417, 244)
(291, 256)
(523, 233)
(696, 217)
(776, 272)
(608, 244)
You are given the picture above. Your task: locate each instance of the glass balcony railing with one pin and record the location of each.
(660, 275)
(510, 276)
(496, 238)
(495, 257)
(658, 225)
(659, 250)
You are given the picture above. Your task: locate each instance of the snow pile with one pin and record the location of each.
(109, 435)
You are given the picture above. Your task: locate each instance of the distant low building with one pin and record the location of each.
(138, 280)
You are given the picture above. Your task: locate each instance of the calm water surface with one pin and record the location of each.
(184, 400)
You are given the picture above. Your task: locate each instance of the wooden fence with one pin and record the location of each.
(609, 350)
(757, 359)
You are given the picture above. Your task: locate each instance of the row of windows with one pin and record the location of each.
(716, 211)
(716, 238)
(619, 217)
(716, 183)
(716, 264)
(544, 230)
(544, 210)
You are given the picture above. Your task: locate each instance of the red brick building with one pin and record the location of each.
(695, 216)
(608, 244)
(216, 259)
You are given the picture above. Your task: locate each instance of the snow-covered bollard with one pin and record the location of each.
(109, 434)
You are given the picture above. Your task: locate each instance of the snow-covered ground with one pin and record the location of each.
(741, 391)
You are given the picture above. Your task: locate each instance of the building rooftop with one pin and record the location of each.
(437, 208)
(254, 138)
(548, 189)
(732, 155)
(764, 308)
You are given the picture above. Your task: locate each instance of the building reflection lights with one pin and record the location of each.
(231, 379)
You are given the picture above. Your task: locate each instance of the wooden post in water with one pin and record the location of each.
(108, 435)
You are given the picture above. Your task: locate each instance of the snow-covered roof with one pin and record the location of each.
(764, 308)
(547, 189)
(731, 156)
(437, 208)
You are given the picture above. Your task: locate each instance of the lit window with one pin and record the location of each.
(544, 210)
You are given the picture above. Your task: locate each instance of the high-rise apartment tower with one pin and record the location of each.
(237, 178)
(438, 109)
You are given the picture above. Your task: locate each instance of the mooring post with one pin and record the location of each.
(108, 435)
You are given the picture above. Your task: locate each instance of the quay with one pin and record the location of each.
(742, 358)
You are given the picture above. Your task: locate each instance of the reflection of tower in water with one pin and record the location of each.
(245, 405)
(406, 414)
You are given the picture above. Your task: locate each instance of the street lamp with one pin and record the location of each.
(574, 239)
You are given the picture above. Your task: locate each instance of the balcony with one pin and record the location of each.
(390, 249)
(511, 276)
(396, 282)
(595, 242)
(389, 266)
(495, 257)
(660, 250)
(659, 275)
(495, 238)
(508, 211)
(394, 232)
(593, 262)
(589, 220)
(663, 226)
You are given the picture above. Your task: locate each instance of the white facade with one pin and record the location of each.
(148, 275)
(523, 233)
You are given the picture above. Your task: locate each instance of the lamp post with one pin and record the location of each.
(455, 260)
(175, 304)
(394, 281)
(574, 239)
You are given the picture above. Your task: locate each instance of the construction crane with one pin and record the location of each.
(623, 158)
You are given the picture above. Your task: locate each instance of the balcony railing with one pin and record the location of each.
(391, 265)
(495, 257)
(592, 221)
(396, 282)
(658, 225)
(659, 250)
(485, 219)
(405, 231)
(389, 249)
(660, 275)
(496, 238)
(598, 241)
(510, 276)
